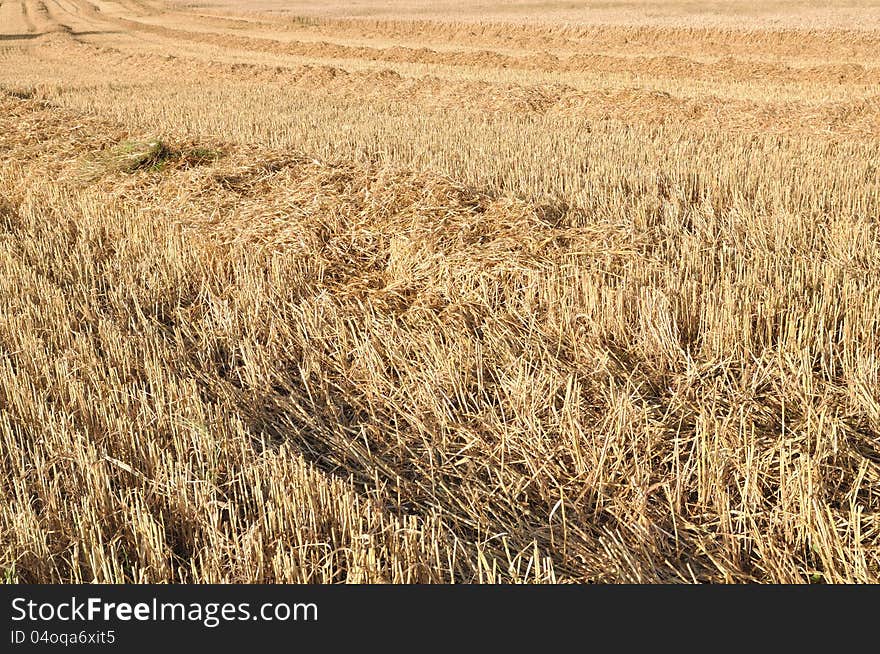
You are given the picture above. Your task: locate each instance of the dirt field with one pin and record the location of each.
(748, 14)
(439, 292)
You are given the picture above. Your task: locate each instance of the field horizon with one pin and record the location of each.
(410, 292)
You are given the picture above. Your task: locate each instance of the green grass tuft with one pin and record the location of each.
(129, 157)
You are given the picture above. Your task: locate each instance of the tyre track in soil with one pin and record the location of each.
(13, 19)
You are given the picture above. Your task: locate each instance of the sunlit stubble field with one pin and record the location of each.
(426, 294)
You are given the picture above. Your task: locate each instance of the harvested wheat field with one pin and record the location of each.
(415, 292)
